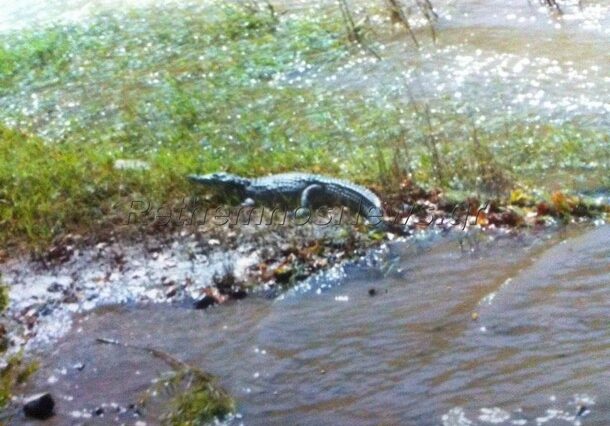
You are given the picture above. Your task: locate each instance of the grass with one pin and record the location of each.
(202, 402)
(200, 90)
(4, 299)
(15, 371)
(195, 397)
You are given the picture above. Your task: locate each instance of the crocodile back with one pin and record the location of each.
(288, 187)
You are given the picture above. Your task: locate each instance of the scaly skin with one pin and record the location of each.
(303, 189)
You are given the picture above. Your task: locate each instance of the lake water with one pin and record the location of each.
(514, 332)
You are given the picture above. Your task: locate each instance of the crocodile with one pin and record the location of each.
(302, 189)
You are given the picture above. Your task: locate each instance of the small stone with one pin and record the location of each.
(474, 316)
(98, 411)
(283, 274)
(130, 164)
(205, 302)
(167, 282)
(372, 292)
(55, 288)
(70, 298)
(238, 294)
(135, 410)
(39, 406)
(79, 366)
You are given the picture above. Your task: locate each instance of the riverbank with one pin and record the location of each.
(219, 265)
(119, 109)
(446, 303)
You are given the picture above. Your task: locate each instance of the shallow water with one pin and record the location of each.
(499, 60)
(329, 353)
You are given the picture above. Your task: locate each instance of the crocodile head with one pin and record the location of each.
(222, 182)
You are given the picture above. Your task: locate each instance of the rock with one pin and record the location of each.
(60, 253)
(55, 288)
(171, 292)
(130, 164)
(582, 410)
(238, 294)
(283, 274)
(205, 302)
(70, 297)
(167, 282)
(80, 366)
(224, 281)
(39, 406)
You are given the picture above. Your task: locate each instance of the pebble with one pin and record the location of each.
(39, 406)
(205, 302)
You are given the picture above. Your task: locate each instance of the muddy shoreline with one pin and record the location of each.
(76, 359)
(155, 258)
(154, 261)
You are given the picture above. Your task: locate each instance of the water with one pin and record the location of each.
(516, 332)
(500, 60)
(34, 13)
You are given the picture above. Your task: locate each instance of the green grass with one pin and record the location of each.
(4, 299)
(201, 90)
(16, 371)
(200, 403)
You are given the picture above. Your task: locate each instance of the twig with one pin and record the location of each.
(431, 138)
(552, 4)
(168, 358)
(353, 29)
(430, 8)
(271, 10)
(428, 11)
(398, 15)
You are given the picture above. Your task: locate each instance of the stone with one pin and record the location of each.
(39, 406)
(205, 302)
(80, 366)
(238, 294)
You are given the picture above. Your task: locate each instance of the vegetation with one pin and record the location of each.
(200, 403)
(241, 89)
(15, 371)
(3, 296)
(198, 398)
